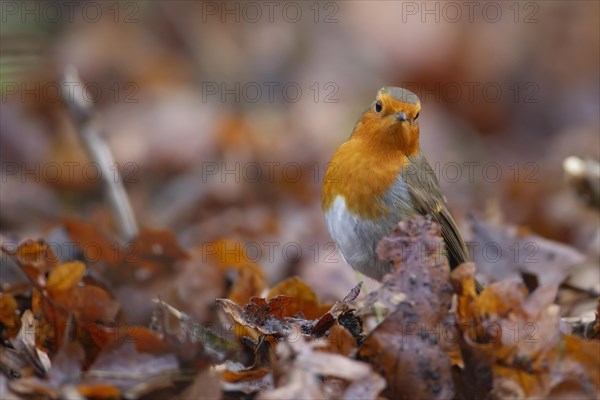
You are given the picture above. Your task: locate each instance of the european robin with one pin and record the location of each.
(379, 177)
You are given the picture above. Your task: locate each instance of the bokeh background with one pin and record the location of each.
(222, 116)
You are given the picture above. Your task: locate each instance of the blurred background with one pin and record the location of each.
(222, 116)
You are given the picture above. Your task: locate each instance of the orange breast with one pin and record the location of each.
(366, 166)
(362, 173)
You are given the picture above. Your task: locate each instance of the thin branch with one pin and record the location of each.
(89, 132)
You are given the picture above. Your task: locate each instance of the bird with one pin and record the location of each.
(379, 177)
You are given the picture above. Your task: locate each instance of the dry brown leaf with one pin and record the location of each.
(124, 367)
(507, 252)
(37, 259)
(244, 375)
(339, 341)
(251, 280)
(94, 245)
(87, 304)
(306, 301)
(25, 344)
(9, 316)
(266, 317)
(53, 317)
(153, 252)
(420, 272)
(338, 309)
(405, 349)
(302, 372)
(98, 391)
(150, 253)
(516, 338)
(93, 304)
(65, 277)
(145, 340)
(575, 366)
(36, 254)
(197, 285)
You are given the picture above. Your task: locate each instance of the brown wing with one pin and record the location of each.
(427, 199)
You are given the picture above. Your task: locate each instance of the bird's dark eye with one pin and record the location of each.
(378, 106)
(416, 116)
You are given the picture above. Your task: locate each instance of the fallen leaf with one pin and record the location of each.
(93, 304)
(420, 272)
(244, 375)
(124, 367)
(94, 245)
(264, 316)
(338, 309)
(145, 340)
(153, 252)
(229, 255)
(405, 350)
(9, 316)
(302, 372)
(507, 253)
(25, 344)
(306, 301)
(339, 341)
(516, 338)
(98, 391)
(65, 277)
(37, 259)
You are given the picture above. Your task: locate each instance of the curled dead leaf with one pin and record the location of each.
(265, 316)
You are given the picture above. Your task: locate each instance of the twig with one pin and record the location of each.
(90, 134)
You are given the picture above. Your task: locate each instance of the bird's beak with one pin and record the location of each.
(401, 116)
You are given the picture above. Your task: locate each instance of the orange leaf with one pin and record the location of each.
(241, 376)
(99, 391)
(100, 335)
(9, 315)
(259, 314)
(340, 341)
(65, 277)
(306, 299)
(36, 258)
(251, 281)
(52, 320)
(161, 245)
(91, 303)
(94, 245)
(146, 341)
(35, 254)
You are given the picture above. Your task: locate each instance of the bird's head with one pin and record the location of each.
(391, 121)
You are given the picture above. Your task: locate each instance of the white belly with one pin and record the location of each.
(357, 239)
